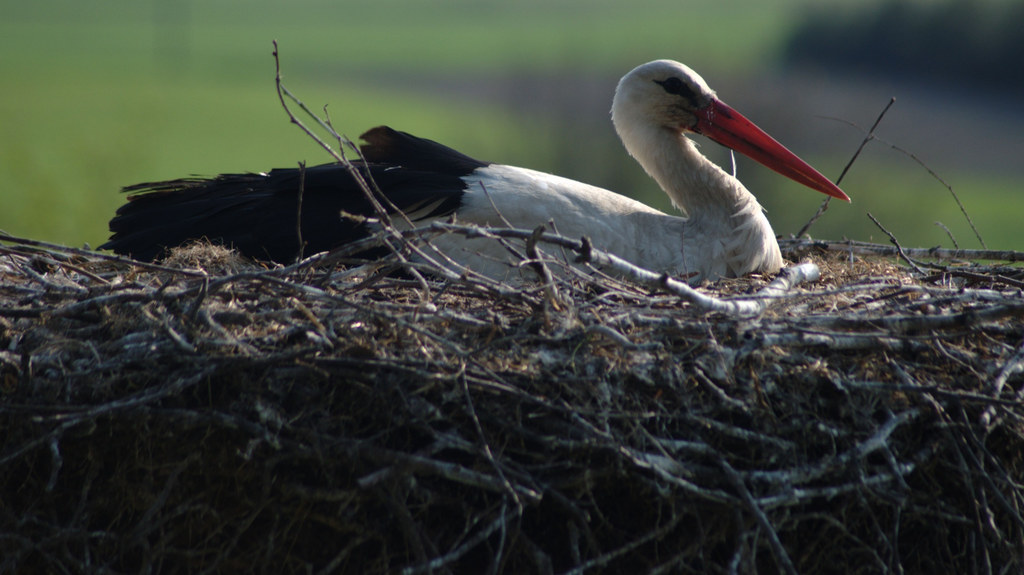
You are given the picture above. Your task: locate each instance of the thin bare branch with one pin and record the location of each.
(867, 138)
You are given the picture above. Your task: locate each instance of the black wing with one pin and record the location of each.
(257, 214)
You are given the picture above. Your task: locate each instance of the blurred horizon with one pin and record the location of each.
(107, 95)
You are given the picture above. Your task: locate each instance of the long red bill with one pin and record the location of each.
(729, 128)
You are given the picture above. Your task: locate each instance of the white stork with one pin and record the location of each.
(724, 233)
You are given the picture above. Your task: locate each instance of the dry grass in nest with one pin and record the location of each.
(210, 415)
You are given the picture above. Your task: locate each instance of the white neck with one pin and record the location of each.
(717, 204)
(693, 183)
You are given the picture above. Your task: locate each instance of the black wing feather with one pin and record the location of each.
(256, 214)
(387, 146)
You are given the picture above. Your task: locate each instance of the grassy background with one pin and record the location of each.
(96, 96)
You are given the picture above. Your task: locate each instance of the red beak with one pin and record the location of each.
(729, 128)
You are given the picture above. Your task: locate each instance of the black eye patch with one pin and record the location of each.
(677, 87)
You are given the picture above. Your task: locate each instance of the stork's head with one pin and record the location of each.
(662, 92)
(665, 94)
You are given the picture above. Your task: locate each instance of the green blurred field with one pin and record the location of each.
(96, 96)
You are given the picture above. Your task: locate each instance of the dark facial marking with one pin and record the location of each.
(675, 86)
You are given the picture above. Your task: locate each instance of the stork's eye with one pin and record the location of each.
(676, 86)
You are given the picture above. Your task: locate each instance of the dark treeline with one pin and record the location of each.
(959, 42)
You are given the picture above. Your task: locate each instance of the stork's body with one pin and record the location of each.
(724, 232)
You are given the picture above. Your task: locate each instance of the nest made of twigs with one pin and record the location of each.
(210, 414)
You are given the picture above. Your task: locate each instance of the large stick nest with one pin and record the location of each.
(211, 415)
